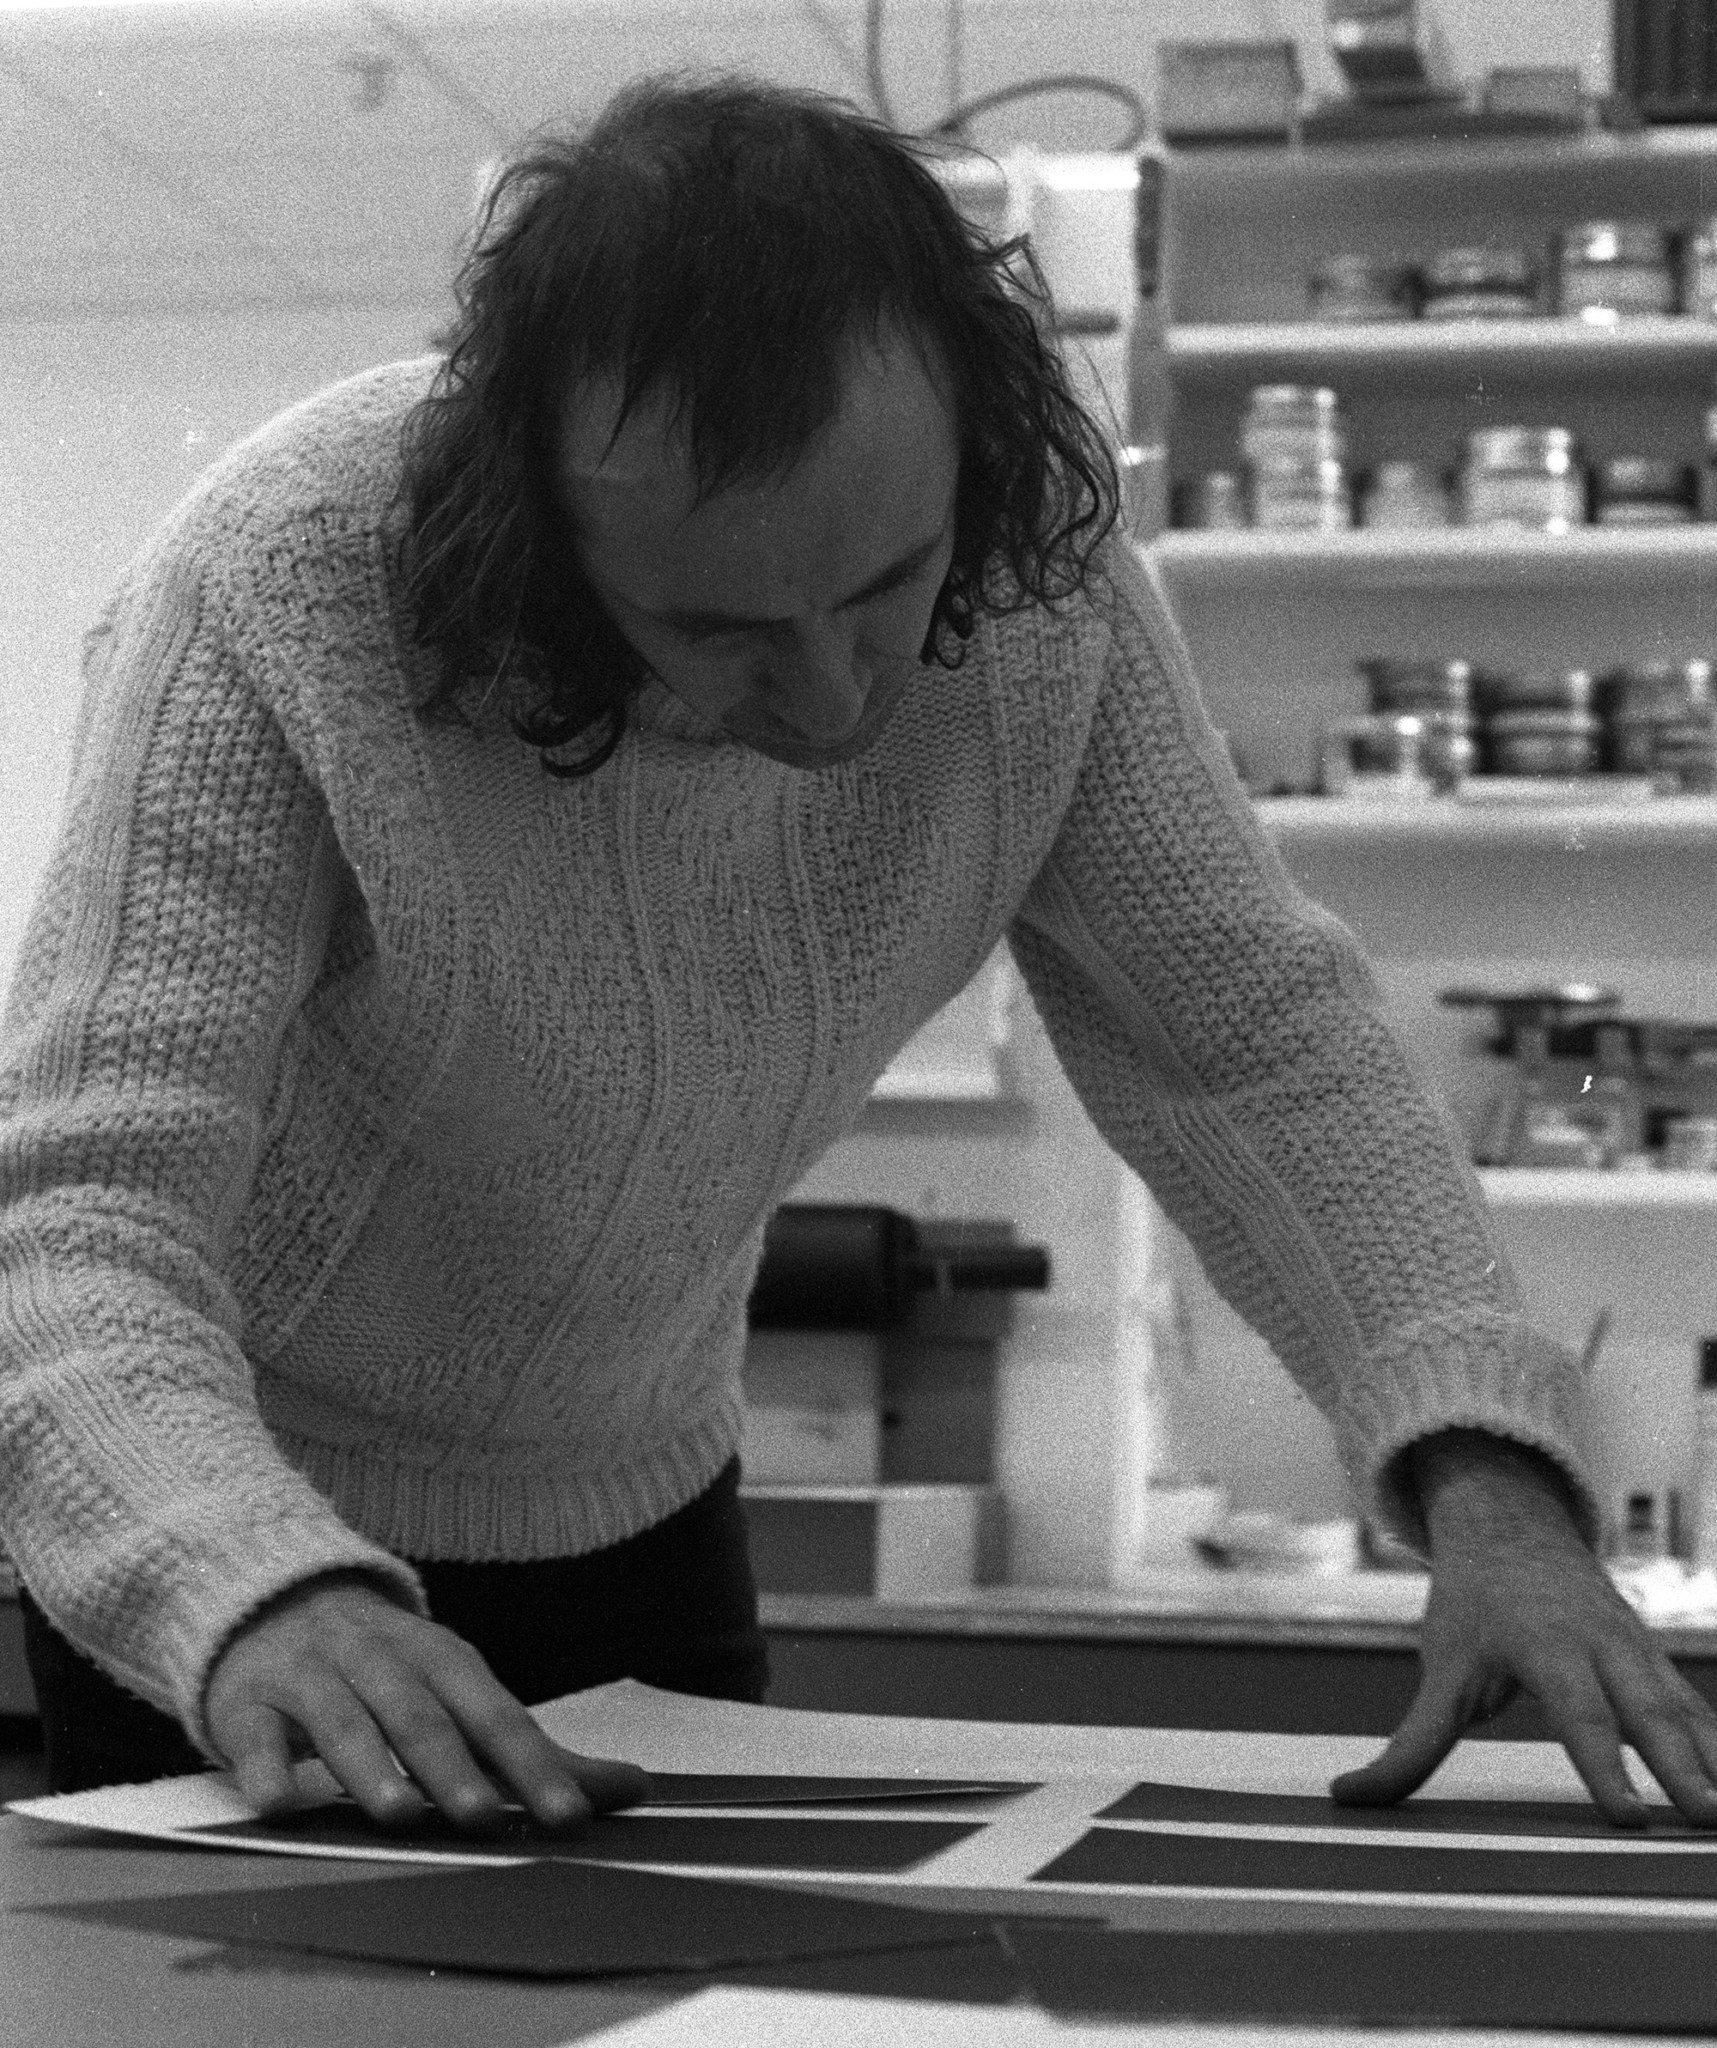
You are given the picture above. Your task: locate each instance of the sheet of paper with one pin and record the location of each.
(997, 1861)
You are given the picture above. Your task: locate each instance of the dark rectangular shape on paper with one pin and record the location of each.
(1426, 1816)
(738, 1841)
(1135, 1856)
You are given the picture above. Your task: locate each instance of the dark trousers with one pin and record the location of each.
(674, 1606)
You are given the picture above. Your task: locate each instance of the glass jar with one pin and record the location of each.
(1401, 683)
(1293, 424)
(1699, 271)
(1480, 283)
(1541, 743)
(1643, 490)
(1616, 270)
(1362, 288)
(1214, 501)
(1523, 476)
(1405, 496)
(1301, 497)
(1537, 689)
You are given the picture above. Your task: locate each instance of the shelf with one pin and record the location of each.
(1522, 1187)
(1364, 824)
(1453, 558)
(1417, 161)
(1244, 351)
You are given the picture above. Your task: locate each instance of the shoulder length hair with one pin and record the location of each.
(723, 243)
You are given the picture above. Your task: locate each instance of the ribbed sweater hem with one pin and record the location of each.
(498, 1515)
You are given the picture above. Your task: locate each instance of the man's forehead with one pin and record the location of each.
(650, 447)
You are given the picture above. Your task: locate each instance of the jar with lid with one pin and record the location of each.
(1301, 497)
(1214, 501)
(1541, 742)
(1708, 466)
(1409, 683)
(1616, 270)
(1643, 490)
(1362, 288)
(1293, 424)
(1536, 689)
(1523, 476)
(1699, 271)
(1405, 496)
(1648, 709)
(1480, 283)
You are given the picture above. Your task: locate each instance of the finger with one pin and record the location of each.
(608, 1782)
(345, 1735)
(254, 1741)
(1431, 1728)
(1673, 1730)
(491, 1725)
(1582, 1721)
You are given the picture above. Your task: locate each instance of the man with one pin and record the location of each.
(387, 1127)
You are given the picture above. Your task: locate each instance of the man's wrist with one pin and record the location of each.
(1474, 1488)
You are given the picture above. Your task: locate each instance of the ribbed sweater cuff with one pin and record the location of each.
(1507, 1380)
(257, 1568)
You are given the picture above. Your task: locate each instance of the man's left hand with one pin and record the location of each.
(1518, 1601)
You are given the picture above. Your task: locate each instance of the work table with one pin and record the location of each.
(1210, 1649)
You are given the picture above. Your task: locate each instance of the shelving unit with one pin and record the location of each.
(1256, 352)
(1380, 826)
(1442, 893)
(1515, 1187)
(1453, 558)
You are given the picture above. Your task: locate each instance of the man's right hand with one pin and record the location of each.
(403, 1712)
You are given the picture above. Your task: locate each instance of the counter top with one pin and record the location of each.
(1378, 1610)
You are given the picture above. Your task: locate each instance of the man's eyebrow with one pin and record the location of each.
(897, 571)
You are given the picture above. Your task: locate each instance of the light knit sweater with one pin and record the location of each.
(387, 1129)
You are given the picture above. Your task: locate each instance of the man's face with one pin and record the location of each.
(790, 614)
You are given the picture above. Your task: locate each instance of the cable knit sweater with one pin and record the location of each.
(387, 1129)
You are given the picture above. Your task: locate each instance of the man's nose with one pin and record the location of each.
(818, 685)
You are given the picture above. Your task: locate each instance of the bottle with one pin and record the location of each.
(1705, 1460)
(1639, 1533)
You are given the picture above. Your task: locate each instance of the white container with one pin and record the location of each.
(812, 1407)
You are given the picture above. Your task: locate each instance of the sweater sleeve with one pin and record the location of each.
(1227, 1038)
(181, 920)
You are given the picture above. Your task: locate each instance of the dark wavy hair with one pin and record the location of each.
(722, 242)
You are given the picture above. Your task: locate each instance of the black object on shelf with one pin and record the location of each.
(839, 1266)
(1666, 58)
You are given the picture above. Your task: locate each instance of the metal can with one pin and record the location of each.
(1523, 476)
(1616, 270)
